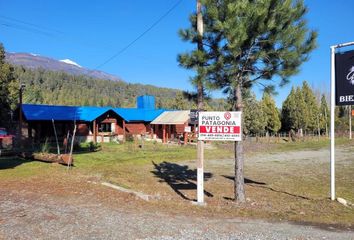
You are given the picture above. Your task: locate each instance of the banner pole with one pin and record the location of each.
(333, 191)
(200, 164)
(200, 172)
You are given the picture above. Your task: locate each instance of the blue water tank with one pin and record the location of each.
(146, 102)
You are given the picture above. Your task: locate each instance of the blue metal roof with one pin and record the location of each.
(37, 112)
(62, 113)
(138, 114)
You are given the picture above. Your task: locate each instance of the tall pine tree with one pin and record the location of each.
(180, 103)
(312, 112)
(324, 114)
(254, 120)
(294, 114)
(8, 89)
(271, 114)
(249, 41)
(288, 111)
(301, 117)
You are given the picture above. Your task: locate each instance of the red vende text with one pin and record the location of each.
(220, 129)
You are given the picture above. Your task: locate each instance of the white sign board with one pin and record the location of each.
(220, 126)
(187, 129)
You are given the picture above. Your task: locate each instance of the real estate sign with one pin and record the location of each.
(187, 129)
(220, 126)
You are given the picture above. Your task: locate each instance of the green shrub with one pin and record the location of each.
(129, 138)
(86, 146)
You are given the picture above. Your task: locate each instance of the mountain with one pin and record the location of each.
(65, 82)
(34, 61)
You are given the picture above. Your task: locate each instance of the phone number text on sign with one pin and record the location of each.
(220, 126)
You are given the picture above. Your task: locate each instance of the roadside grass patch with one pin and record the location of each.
(280, 184)
(17, 168)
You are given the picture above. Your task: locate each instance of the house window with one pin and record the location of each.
(105, 127)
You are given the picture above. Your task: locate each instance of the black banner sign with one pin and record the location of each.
(345, 78)
(194, 116)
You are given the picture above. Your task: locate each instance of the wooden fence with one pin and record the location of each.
(284, 137)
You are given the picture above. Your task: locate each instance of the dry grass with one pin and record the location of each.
(284, 181)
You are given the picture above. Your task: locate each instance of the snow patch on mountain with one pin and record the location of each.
(68, 61)
(35, 61)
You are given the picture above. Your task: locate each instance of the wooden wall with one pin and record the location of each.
(168, 132)
(43, 129)
(136, 128)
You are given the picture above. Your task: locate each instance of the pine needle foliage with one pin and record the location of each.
(312, 113)
(8, 89)
(248, 42)
(271, 114)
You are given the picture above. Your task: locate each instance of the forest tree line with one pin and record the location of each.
(302, 109)
(60, 88)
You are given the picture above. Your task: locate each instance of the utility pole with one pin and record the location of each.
(200, 145)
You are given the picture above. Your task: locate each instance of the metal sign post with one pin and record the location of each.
(194, 116)
(347, 100)
(333, 105)
(200, 173)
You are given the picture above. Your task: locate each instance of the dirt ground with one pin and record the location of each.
(37, 211)
(61, 204)
(291, 185)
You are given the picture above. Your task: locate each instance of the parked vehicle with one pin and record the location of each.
(3, 132)
(6, 139)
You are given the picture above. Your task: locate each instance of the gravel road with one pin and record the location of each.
(27, 214)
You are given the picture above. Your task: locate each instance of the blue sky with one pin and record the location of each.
(90, 32)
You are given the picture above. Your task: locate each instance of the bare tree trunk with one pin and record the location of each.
(239, 178)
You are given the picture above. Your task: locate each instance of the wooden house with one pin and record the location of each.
(173, 125)
(96, 124)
